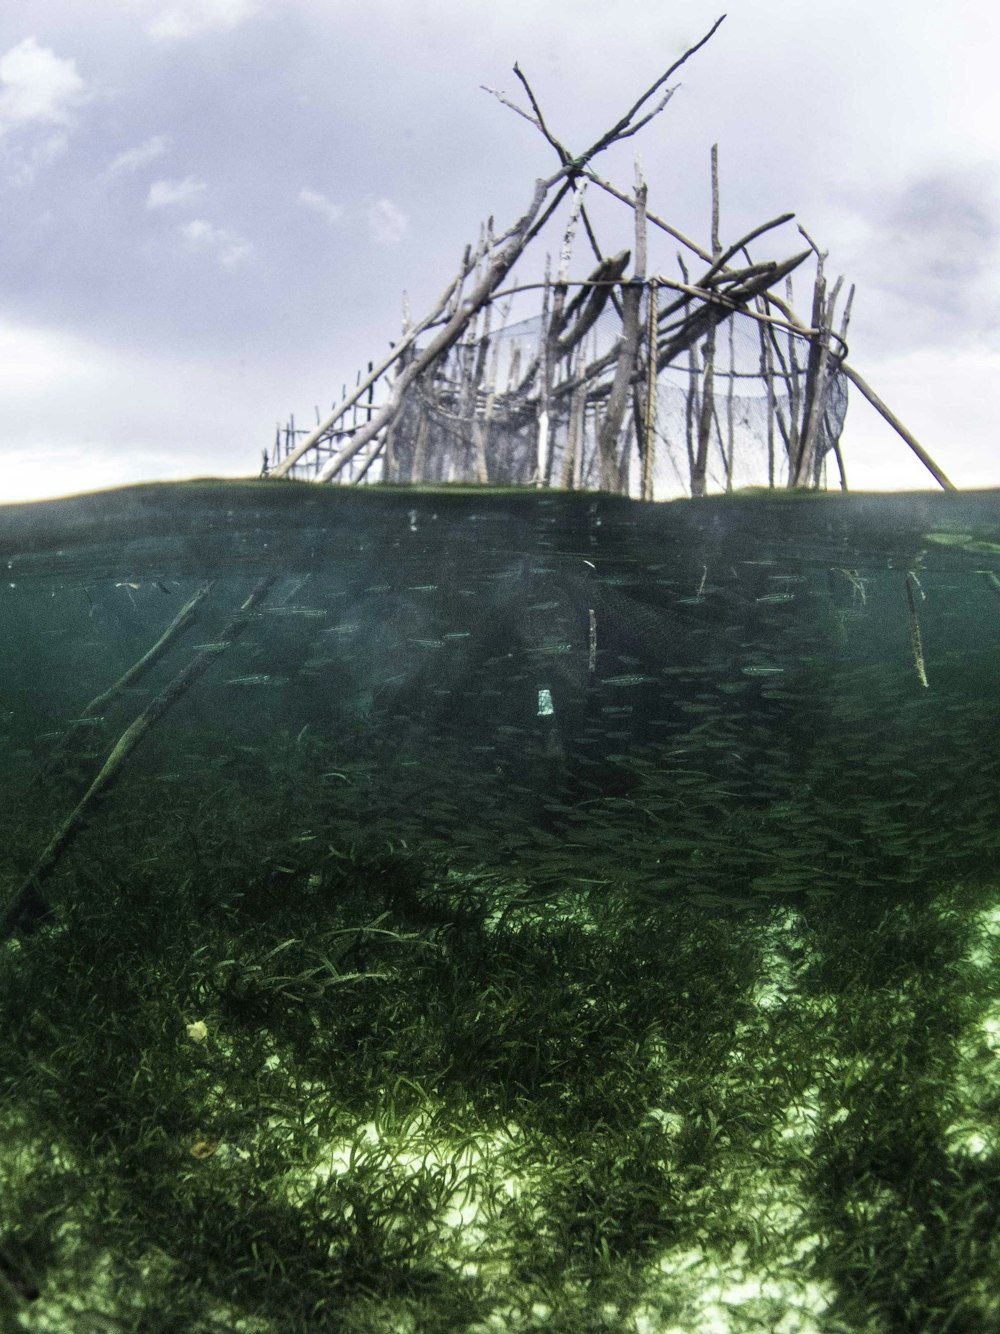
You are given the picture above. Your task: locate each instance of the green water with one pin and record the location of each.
(499, 911)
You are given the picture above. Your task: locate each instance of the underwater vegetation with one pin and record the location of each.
(594, 935)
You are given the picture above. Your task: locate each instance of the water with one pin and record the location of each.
(499, 910)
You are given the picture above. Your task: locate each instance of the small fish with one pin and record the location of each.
(761, 671)
(259, 679)
(776, 597)
(630, 679)
(295, 611)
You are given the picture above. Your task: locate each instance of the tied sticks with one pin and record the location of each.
(488, 265)
(583, 408)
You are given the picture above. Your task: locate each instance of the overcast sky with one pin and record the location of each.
(210, 209)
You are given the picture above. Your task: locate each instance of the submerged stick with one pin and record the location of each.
(916, 643)
(135, 673)
(28, 905)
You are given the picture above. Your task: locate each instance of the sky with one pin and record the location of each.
(210, 209)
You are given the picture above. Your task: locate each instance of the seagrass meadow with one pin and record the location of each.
(476, 910)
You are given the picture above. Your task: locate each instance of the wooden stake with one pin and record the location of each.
(730, 394)
(649, 443)
(607, 440)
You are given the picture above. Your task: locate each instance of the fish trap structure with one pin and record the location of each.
(623, 380)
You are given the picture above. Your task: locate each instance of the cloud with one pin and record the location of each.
(387, 223)
(228, 247)
(317, 203)
(187, 18)
(38, 94)
(167, 194)
(32, 159)
(142, 155)
(37, 87)
(931, 252)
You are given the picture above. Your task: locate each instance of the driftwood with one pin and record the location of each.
(28, 905)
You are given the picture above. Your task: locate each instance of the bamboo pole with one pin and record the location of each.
(28, 905)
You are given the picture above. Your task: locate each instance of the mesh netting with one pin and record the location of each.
(741, 392)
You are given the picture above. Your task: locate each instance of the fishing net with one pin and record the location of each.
(742, 391)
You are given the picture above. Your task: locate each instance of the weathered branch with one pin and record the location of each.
(564, 156)
(727, 255)
(620, 129)
(898, 426)
(607, 440)
(528, 226)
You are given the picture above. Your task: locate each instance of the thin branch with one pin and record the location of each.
(821, 255)
(651, 217)
(564, 156)
(618, 131)
(502, 97)
(727, 255)
(641, 124)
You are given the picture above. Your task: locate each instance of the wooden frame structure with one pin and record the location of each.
(456, 384)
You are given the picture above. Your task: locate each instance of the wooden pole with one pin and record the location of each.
(607, 440)
(730, 395)
(649, 444)
(28, 905)
(898, 426)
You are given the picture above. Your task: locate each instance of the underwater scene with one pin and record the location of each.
(467, 910)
